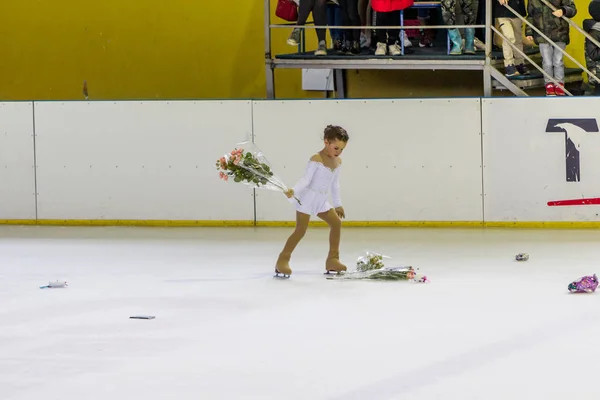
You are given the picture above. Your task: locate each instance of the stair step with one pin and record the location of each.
(536, 79)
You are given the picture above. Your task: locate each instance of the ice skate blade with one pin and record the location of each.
(279, 275)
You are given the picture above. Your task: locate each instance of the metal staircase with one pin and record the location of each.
(535, 80)
(573, 76)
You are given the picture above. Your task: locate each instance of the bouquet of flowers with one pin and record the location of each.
(371, 266)
(246, 164)
(370, 262)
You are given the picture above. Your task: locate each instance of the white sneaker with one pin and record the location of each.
(407, 42)
(364, 42)
(395, 49)
(322, 49)
(479, 45)
(381, 49)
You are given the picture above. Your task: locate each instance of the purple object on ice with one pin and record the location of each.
(586, 284)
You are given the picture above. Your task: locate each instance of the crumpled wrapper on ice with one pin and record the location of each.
(372, 266)
(55, 285)
(586, 284)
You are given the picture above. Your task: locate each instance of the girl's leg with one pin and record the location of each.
(338, 22)
(388, 39)
(393, 34)
(350, 17)
(363, 5)
(354, 19)
(335, 232)
(381, 34)
(283, 262)
(304, 10)
(320, 17)
(335, 33)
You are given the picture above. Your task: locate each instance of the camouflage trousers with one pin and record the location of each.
(594, 67)
(469, 11)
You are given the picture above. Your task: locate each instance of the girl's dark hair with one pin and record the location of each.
(334, 132)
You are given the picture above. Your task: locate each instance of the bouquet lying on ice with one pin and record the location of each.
(247, 164)
(371, 266)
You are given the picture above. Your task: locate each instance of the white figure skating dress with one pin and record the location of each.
(313, 189)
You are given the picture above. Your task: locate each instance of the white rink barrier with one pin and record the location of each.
(139, 160)
(405, 161)
(431, 162)
(541, 159)
(17, 168)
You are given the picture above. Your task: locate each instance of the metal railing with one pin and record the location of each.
(310, 25)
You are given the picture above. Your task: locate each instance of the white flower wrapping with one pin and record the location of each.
(248, 165)
(372, 266)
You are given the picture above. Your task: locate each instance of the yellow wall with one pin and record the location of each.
(176, 49)
(132, 49)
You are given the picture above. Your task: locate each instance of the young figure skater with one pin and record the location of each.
(322, 175)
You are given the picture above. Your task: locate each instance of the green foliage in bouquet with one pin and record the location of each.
(244, 168)
(394, 274)
(370, 262)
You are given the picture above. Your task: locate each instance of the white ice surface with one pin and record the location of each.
(486, 327)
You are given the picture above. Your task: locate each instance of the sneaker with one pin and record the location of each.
(381, 49)
(337, 45)
(364, 42)
(395, 49)
(479, 45)
(511, 71)
(425, 40)
(355, 47)
(347, 47)
(294, 38)
(550, 89)
(407, 42)
(322, 49)
(523, 70)
(559, 90)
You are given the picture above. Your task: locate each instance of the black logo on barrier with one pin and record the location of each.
(574, 130)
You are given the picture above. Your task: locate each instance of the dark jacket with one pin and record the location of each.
(501, 11)
(592, 52)
(540, 15)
